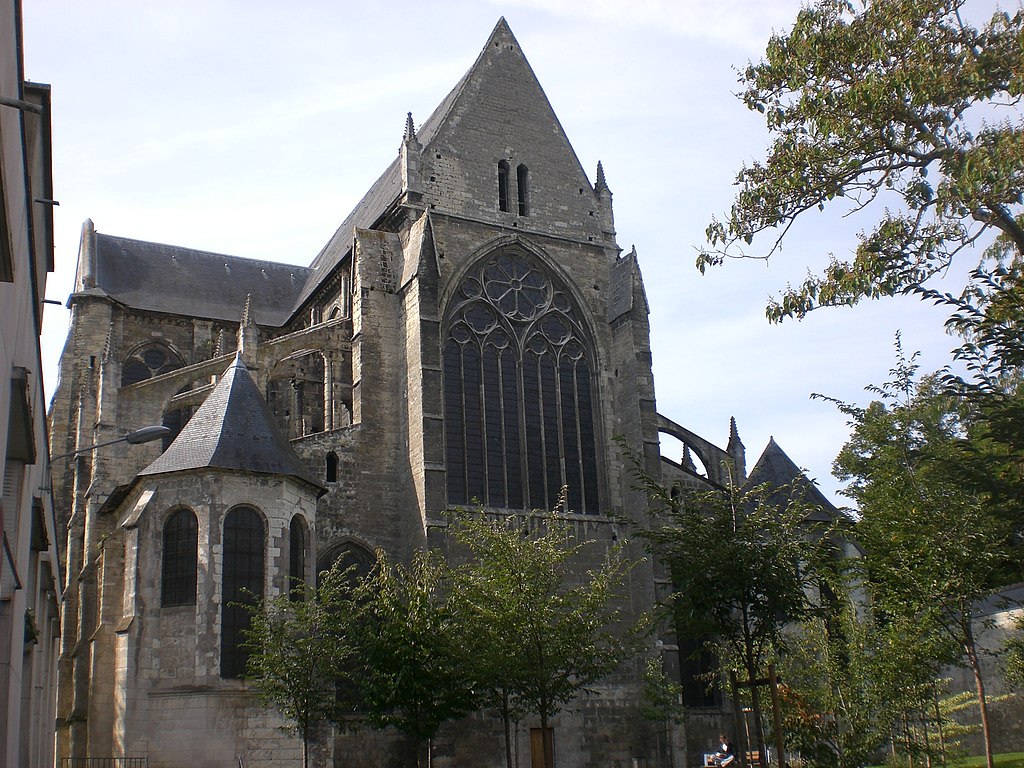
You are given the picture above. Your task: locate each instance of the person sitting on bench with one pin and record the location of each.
(725, 755)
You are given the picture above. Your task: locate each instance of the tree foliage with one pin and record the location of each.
(538, 630)
(901, 101)
(854, 676)
(299, 649)
(933, 544)
(744, 564)
(412, 672)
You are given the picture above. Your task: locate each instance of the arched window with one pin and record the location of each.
(242, 585)
(178, 574)
(296, 557)
(523, 187)
(295, 394)
(347, 555)
(518, 390)
(503, 176)
(148, 361)
(331, 469)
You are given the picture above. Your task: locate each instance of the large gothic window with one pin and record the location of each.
(243, 585)
(518, 388)
(178, 574)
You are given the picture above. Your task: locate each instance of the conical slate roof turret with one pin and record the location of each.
(234, 430)
(780, 472)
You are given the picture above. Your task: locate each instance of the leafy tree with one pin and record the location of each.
(852, 676)
(901, 101)
(661, 701)
(1015, 656)
(298, 649)
(411, 673)
(743, 563)
(989, 317)
(933, 546)
(540, 630)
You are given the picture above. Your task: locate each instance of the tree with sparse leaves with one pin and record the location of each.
(903, 103)
(744, 566)
(538, 628)
(853, 677)
(933, 546)
(298, 649)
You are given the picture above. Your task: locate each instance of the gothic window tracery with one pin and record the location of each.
(180, 549)
(147, 361)
(243, 564)
(518, 388)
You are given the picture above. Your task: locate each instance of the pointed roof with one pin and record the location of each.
(778, 471)
(233, 430)
(500, 75)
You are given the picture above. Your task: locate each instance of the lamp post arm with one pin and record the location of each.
(144, 435)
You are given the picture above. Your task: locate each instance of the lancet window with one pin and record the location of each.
(519, 391)
(296, 557)
(244, 537)
(178, 573)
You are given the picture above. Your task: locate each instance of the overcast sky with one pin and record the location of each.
(252, 128)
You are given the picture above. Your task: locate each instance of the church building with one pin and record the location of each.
(471, 333)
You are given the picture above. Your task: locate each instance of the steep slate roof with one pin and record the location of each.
(165, 278)
(388, 188)
(234, 430)
(168, 278)
(778, 471)
(382, 194)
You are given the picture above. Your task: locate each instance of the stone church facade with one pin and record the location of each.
(471, 333)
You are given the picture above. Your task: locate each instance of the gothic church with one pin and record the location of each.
(471, 332)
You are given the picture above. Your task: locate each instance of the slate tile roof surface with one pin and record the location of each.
(234, 430)
(184, 281)
(166, 278)
(386, 190)
(778, 471)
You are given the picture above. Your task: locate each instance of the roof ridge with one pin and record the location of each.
(190, 249)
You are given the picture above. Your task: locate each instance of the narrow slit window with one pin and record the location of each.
(523, 187)
(503, 174)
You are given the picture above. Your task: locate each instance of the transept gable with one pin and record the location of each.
(496, 114)
(498, 121)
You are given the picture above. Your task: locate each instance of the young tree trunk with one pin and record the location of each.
(755, 705)
(972, 656)
(505, 718)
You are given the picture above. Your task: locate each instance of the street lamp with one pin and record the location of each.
(144, 435)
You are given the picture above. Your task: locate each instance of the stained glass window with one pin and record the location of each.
(518, 391)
